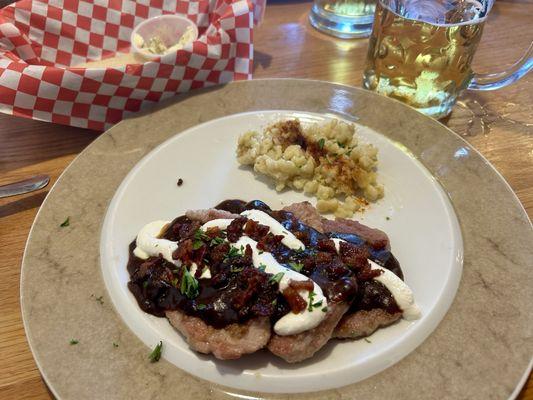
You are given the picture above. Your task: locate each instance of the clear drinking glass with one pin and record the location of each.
(420, 52)
(343, 18)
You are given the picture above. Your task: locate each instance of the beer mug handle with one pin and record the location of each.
(504, 78)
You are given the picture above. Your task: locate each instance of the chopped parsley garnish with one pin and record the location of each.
(296, 266)
(341, 145)
(233, 253)
(73, 341)
(274, 302)
(262, 267)
(200, 235)
(115, 345)
(216, 241)
(65, 223)
(197, 244)
(174, 282)
(276, 278)
(317, 304)
(387, 218)
(311, 298)
(324, 309)
(155, 355)
(366, 340)
(189, 284)
(321, 143)
(201, 306)
(145, 284)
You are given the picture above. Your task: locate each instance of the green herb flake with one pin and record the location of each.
(65, 223)
(115, 345)
(262, 267)
(174, 282)
(155, 355)
(200, 235)
(197, 244)
(387, 218)
(274, 302)
(276, 278)
(100, 299)
(233, 253)
(296, 266)
(366, 340)
(216, 241)
(189, 284)
(321, 143)
(311, 299)
(341, 145)
(317, 304)
(201, 306)
(324, 309)
(145, 284)
(73, 342)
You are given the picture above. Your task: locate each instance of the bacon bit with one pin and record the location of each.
(252, 283)
(368, 273)
(219, 252)
(213, 232)
(269, 242)
(234, 231)
(248, 252)
(184, 252)
(302, 285)
(355, 257)
(255, 230)
(327, 245)
(302, 236)
(296, 302)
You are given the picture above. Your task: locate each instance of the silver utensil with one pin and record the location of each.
(27, 185)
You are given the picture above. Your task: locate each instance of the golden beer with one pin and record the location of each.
(425, 65)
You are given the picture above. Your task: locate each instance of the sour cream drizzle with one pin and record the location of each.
(276, 228)
(403, 295)
(148, 244)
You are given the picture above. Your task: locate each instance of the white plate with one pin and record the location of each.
(422, 226)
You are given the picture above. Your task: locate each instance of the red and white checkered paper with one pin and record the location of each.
(41, 41)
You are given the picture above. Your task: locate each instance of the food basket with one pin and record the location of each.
(43, 43)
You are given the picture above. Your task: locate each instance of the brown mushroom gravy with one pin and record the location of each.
(236, 290)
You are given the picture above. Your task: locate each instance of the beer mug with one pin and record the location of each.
(420, 52)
